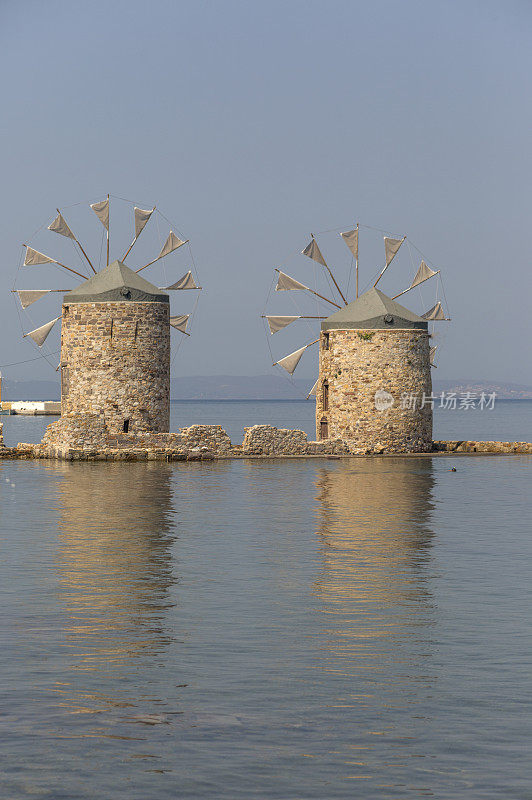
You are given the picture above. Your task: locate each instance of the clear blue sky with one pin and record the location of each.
(250, 125)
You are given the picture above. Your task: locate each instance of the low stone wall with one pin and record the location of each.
(483, 447)
(85, 437)
(265, 440)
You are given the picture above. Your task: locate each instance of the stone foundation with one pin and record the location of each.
(84, 437)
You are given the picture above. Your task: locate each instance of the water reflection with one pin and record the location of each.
(114, 572)
(374, 525)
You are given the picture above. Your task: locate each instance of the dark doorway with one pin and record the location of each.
(126, 426)
(324, 429)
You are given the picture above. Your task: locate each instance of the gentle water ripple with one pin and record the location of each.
(290, 629)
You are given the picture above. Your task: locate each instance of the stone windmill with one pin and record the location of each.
(375, 360)
(115, 335)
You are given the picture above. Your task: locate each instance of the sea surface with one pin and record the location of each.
(280, 630)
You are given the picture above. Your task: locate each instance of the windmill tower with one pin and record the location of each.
(374, 385)
(374, 370)
(115, 336)
(115, 351)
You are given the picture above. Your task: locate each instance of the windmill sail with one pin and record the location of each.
(39, 335)
(180, 322)
(423, 274)
(35, 257)
(290, 362)
(351, 240)
(314, 390)
(436, 312)
(171, 244)
(432, 353)
(141, 218)
(60, 226)
(391, 247)
(285, 282)
(29, 296)
(278, 323)
(186, 282)
(101, 210)
(313, 251)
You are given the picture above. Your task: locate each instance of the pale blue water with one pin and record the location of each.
(281, 630)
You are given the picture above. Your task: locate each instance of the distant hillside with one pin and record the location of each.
(276, 387)
(30, 390)
(257, 387)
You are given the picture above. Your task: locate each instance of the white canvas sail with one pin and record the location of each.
(60, 226)
(290, 362)
(35, 257)
(436, 312)
(313, 251)
(29, 296)
(351, 240)
(278, 323)
(101, 210)
(314, 390)
(180, 322)
(141, 218)
(423, 274)
(432, 353)
(285, 282)
(39, 335)
(186, 282)
(171, 244)
(391, 247)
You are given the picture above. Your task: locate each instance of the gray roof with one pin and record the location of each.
(116, 283)
(373, 310)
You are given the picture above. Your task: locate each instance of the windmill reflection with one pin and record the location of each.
(374, 523)
(115, 569)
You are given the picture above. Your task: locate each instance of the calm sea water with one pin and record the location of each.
(286, 630)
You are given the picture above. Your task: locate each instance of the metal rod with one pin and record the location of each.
(15, 291)
(332, 276)
(413, 287)
(306, 287)
(80, 247)
(387, 265)
(265, 316)
(136, 237)
(128, 250)
(356, 263)
(108, 232)
(275, 363)
(158, 257)
(53, 261)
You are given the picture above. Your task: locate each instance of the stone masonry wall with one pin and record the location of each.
(115, 362)
(269, 441)
(360, 364)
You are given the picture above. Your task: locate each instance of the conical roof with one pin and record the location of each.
(116, 283)
(376, 310)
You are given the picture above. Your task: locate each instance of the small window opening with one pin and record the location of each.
(126, 426)
(325, 395)
(325, 341)
(324, 428)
